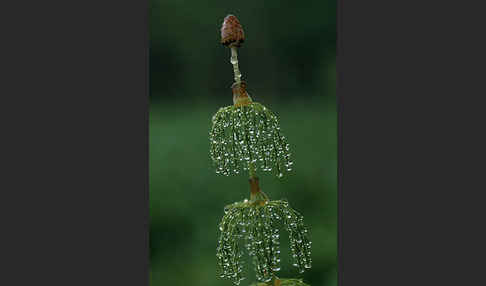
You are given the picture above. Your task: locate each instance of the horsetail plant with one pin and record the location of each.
(246, 136)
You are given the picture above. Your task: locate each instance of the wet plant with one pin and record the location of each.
(247, 137)
(248, 134)
(257, 225)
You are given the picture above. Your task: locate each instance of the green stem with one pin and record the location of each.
(234, 62)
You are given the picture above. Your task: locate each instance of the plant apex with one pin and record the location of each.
(232, 34)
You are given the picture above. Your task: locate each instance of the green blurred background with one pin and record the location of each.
(288, 61)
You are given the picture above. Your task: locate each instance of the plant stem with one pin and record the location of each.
(234, 62)
(256, 194)
(251, 170)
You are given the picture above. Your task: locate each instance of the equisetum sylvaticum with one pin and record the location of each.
(246, 136)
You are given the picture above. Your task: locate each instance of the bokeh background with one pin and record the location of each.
(288, 61)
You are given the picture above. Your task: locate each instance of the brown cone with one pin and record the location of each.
(232, 32)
